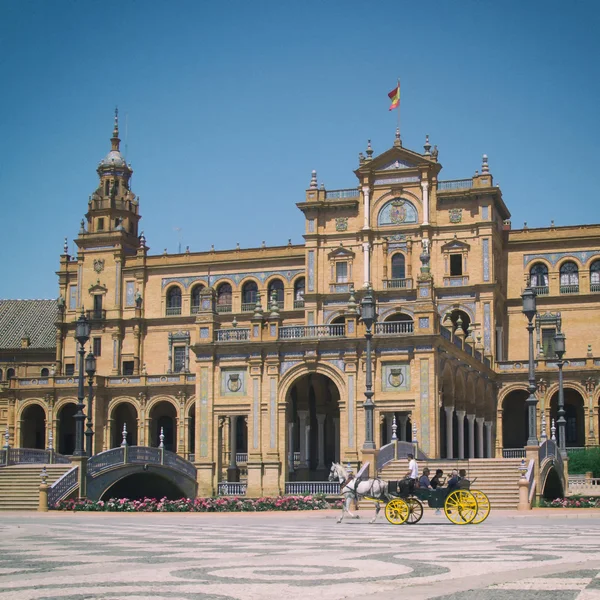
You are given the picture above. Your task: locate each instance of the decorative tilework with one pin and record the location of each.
(395, 377)
(423, 322)
(204, 332)
(262, 276)
(397, 164)
(311, 225)
(338, 363)
(255, 413)
(272, 330)
(485, 212)
(425, 405)
(130, 293)
(390, 180)
(72, 297)
(487, 333)
(486, 259)
(203, 412)
(233, 382)
(554, 257)
(273, 412)
(397, 212)
(115, 353)
(351, 403)
(255, 330)
(350, 326)
(286, 365)
(423, 292)
(311, 270)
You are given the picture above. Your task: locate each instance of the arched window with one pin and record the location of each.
(10, 373)
(539, 278)
(398, 266)
(196, 298)
(224, 298)
(461, 319)
(299, 286)
(595, 276)
(249, 291)
(569, 278)
(173, 301)
(276, 286)
(44, 372)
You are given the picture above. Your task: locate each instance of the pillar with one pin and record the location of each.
(291, 447)
(425, 190)
(366, 264)
(403, 422)
(321, 441)
(480, 449)
(471, 435)
(389, 420)
(233, 473)
(336, 436)
(449, 431)
(488, 437)
(302, 415)
(460, 415)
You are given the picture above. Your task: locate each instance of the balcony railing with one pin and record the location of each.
(173, 311)
(248, 306)
(595, 287)
(227, 488)
(298, 303)
(455, 184)
(297, 332)
(456, 280)
(347, 193)
(541, 290)
(195, 309)
(233, 335)
(394, 284)
(96, 315)
(394, 328)
(340, 288)
(569, 289)
(223, 308)
(513, 453)
(329, 488)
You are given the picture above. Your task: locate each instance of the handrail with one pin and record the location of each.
(531, 480)
(63, 486)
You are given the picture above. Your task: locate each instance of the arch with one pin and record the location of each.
(224, 294)
(574, 415)
(195, 296)
(398, 266)
(301, 369)
(44, 372)
(552, 481)
(459, 318)
(124, 412)
(249, 293)
(339, 319)
(163, 415)
(569, 276)
(386, 312)
(397, 211)
(398, 316)
(10, 373)
(173, 300)
(595, 276)
(514, 418)
(538, 275)
(33, 426)
(299, 288)
(276, 286)
(65, 427)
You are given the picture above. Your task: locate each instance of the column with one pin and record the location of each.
(336, 437)
(488, 437)
(403, 421)
(480, 451)
(367, 206)
(389, 419)
(232, 471)
(366, 264)
(471, 434)
(291, 447)
(108, 438)
(302, 414)
(321, 441)
(425, 190)
(460, 415)
(449, 431)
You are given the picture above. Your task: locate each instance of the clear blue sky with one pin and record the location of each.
(230, 105)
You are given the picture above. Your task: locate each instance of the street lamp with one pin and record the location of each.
(529, 311)
(368, 316)
(82, 335)
(90, 369)
(559, 349)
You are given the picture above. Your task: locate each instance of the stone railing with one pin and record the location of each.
(394, 328)
(580, 484)
(230, 488)
(396, 284)
(233, 335)
(297, 332)
(455, 184)
(339, 194)
(513, 452)
(329, 488)
(31, 456)
(456, 280)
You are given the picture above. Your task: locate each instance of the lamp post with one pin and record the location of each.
(90, 369)
(368, 317)
(529, 311)
(82, 335)
(560, 348)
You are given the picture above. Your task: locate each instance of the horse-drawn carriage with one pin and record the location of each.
(404, 502)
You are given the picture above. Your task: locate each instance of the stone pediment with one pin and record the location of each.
(340, 252)
(394, 159)
(97, 288)
(455, 245)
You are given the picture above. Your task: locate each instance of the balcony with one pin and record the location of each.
(96, 315)
(233, 335)
(394, 328)
(569, 289)
(299, 303)
(397, 284)
(541, 290)
(456, 280)
(248, 306)
(298, 332)
(340, 288)
(340, 194)
(173, 311)
(223, 308)
(195, 309)
(455, 184)
(595, 286)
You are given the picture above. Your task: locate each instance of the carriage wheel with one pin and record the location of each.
(460, 507)
(415, 511)
(483, 507)
(396, 511)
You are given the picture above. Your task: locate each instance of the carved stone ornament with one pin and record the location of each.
(398, 212)
(234, 382)
(99, 265)
(455, 215)
(396, 378)
(341, 224)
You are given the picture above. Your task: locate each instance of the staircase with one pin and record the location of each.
(20, 484)
(497, 477)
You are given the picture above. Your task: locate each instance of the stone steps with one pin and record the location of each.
(19, 485)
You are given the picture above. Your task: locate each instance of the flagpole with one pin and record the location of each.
(399, 100)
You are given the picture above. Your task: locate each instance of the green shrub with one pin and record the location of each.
(582, 461)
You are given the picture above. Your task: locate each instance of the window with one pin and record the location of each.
(299, 287)
(548, 342)
(539, 276)
(101, 224)
(72, 297)
(69, 369)
(276, 286)
(224, 297)
(249, 294)
(196, 297)
(106, 187)
(117, 223)
(341, 272)
(97, 346)
(97, 306)
(456, 265)
(179, 359)
(43, 373)
(595, 276)
(398, 266)
(128, 367)
(173, 301)
(569, 278)
(10, 373)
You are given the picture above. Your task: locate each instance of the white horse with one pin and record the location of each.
(352, 488)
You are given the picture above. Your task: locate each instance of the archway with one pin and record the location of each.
(514, 419)
(459, 318)
(313, 417)
(143, 485)
(124, 413)
(65, 429)
(33, 427)
(574, 416)
(163, 416)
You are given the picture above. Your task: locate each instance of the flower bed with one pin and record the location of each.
(572, 502)
(221, 504)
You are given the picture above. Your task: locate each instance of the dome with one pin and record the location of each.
(113, 159)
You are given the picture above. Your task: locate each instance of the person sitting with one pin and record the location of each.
(424, 481)
(463, 482)
(435, 480)
(454, 479)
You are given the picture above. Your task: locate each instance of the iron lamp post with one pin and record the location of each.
(82, 335)
(90, 369)
(559, 349)
(529, 310)
(368, 316)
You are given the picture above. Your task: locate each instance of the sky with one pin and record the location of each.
(226, 107)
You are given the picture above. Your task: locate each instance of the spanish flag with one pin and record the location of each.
(394, 96)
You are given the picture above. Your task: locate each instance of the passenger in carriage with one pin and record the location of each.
(424, 481)
(435, 481)
(463, 482)
(454, 479)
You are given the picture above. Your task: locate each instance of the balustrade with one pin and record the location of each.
(224, 308)
(311, 331)
(395, 284)
(455, 184)
(233, 335)
(569, 289)
(394, 328)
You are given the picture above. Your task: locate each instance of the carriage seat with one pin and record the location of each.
(402, 488)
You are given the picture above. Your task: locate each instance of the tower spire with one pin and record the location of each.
(115, 137)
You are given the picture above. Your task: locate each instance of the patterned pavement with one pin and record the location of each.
(272, 556)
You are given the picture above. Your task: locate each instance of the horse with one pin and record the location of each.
(351, 487)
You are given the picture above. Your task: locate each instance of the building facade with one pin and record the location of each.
(252, 363)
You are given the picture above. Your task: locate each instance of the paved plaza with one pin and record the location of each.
(282, 556)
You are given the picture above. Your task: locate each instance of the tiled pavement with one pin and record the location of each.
(284, 556)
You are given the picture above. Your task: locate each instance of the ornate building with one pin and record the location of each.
(252, 361)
